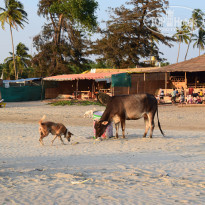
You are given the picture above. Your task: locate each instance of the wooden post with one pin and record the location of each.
(93, 89)
(165, 84)
(195, 81)
(137, 86)
(42, 88)
(185, 83)
(144, 82)
(76, 94)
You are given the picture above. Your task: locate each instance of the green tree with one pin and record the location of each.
(64, 36)
(4, 67)
(14, 15)
(22, 59)
(199, 40)
(196, 22)
(127, 39)
(182, 35)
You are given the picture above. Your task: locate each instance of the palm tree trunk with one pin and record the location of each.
(189, 42)
(15, 70)
(178, 52)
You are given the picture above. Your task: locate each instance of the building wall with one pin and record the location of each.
(143, 83)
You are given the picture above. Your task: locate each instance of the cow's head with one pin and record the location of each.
(100, 127)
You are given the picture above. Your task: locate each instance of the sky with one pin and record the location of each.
(35, 26)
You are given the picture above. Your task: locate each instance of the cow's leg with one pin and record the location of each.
(117, 129)
(151, 123)
(123, 128)
(146, 120)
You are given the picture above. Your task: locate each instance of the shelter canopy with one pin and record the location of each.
(20, 80)
(83, 76)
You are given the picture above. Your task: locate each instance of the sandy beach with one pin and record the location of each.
(162, 170)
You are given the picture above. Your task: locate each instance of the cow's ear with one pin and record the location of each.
(104, 122)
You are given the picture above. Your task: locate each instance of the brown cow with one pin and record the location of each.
(129, 107)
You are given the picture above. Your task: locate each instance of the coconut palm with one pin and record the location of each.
(14, 15)
(181, 36)
(197, 22)
(199, 40)
(22, 59)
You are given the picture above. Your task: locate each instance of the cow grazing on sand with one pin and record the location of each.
(129, 107)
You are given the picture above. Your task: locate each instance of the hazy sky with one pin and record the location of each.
(35, 23)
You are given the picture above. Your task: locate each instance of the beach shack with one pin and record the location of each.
(186, 74)
(79, 86)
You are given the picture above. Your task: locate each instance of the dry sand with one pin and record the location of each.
(162, 170)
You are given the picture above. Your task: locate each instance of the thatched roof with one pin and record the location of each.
(193, 65)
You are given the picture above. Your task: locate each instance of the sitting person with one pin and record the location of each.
(190, 99)
(161, 96)
(173, 94)
(198, 100)
(182, 99)
(195, 95)
(201, 93)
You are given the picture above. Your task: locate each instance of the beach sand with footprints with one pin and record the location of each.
(161, 170)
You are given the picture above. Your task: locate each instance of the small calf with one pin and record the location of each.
(57, 129)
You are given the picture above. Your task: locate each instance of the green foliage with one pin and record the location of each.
(75, 102)
(197, 19)
(199, 40)
(164, 64)
(22, 60)
(14, 15)
(63, 43)
(182, 35)
(127, 39)
(100, 64)
(81, 11)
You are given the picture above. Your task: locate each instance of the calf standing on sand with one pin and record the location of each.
(129, 107)
(57, 129)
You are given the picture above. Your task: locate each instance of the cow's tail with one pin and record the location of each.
(159, 124)
(41, 120)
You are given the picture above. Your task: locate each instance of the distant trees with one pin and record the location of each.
(187, 32)
(126, 39)
(22, 60)
(182, 35)
(62, 44)
(196, 23)
(14, 15)
(199, 40)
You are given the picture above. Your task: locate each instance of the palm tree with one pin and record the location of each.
(14, 15)
(200, 40)
(197, 22)
(22, 59)
(181, 36)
